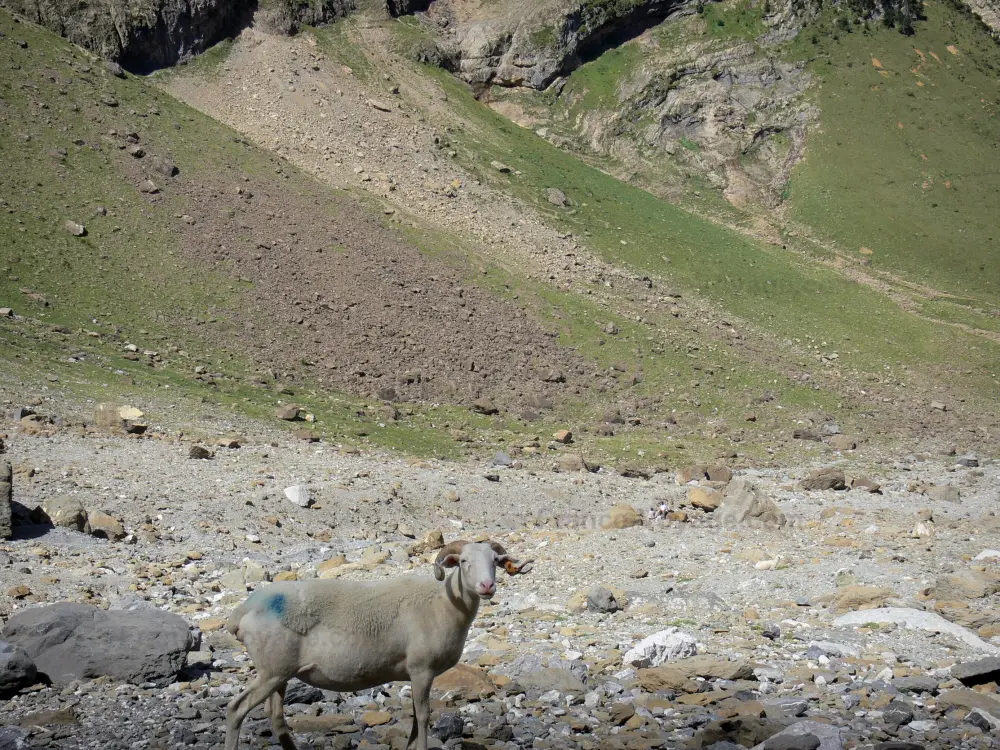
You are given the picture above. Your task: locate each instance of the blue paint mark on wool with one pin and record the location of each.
(277, 605)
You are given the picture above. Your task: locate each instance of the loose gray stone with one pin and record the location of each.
(13, 738)
(17, 670)
(915, 619)
(743, 504)
(299, 494)
(299, 692)
(75, 642)
(977, 672)
(6, 494)
(449, 727)
(601, 599)
(828, 735)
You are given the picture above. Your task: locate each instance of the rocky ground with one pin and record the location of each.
(745, 569)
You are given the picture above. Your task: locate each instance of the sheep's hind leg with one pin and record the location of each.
(245, 702)
(276, 710)
(421, 710)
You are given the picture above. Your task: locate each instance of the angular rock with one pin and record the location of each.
(6, 495)
(977, 672)
(563, 436)
(859, 597)
(199, 452)
(76, 642)
(915, 619)
(842, 443)
(792, 742)
(966, 584)
(299, 494)
(741, 503)
(499, 166)
(571, 462)
(916, 684)
(600, 599)
(14, 738)
(621, 517)
(660, 679)
(829, 737)
(484, 406)
(299, 692)
(17, 670)
(552, 678)
(77, 230)
(556, 197)
(288, 412)
(468, 680)
(666, 645)
(66, 512)
(714, 667)
(449, 727)
(104, 526)
(824, 479)
(705, 498)
(943, 493)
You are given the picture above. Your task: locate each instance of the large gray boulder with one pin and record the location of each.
(743, 504)
(17, 670)
(6, 496)
(75, 641)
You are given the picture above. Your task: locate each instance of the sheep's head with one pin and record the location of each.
(478, 562)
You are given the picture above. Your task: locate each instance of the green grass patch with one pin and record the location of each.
(904, 162)
(784, 294)
(740, 19)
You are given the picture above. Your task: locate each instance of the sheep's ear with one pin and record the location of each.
(449, 561)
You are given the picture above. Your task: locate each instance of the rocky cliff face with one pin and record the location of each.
(144, 35)
(513, 45)
(988, 11)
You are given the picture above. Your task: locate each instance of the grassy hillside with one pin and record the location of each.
(904, 165)
(780, 292)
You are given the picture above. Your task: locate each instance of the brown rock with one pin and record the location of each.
(713, 667)
(332, 563)
(657, 679)
(621, 517)
(621, 712)
(743, 504)
(863, 483)
(211, 624)
(200, 452)
(484, 406)
(704, 498)
(465, 679)
(824, 479)
(719, 473)
(966, 584)
(570, 462)
(19, 592)
(860, 597)
(339, 723)
(563, 436)
(842, 443)
(375, 718)
(288, 412)
(104, 525)
(66, 512)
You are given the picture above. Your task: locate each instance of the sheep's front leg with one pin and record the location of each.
(276, 710)
(421, 710)
(245, 702)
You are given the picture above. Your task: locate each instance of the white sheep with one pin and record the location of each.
(349, 635)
